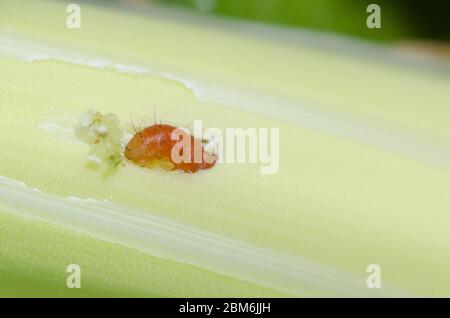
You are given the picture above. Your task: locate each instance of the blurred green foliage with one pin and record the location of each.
(400, 18)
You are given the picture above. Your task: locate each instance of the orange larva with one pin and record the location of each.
(154, 144)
